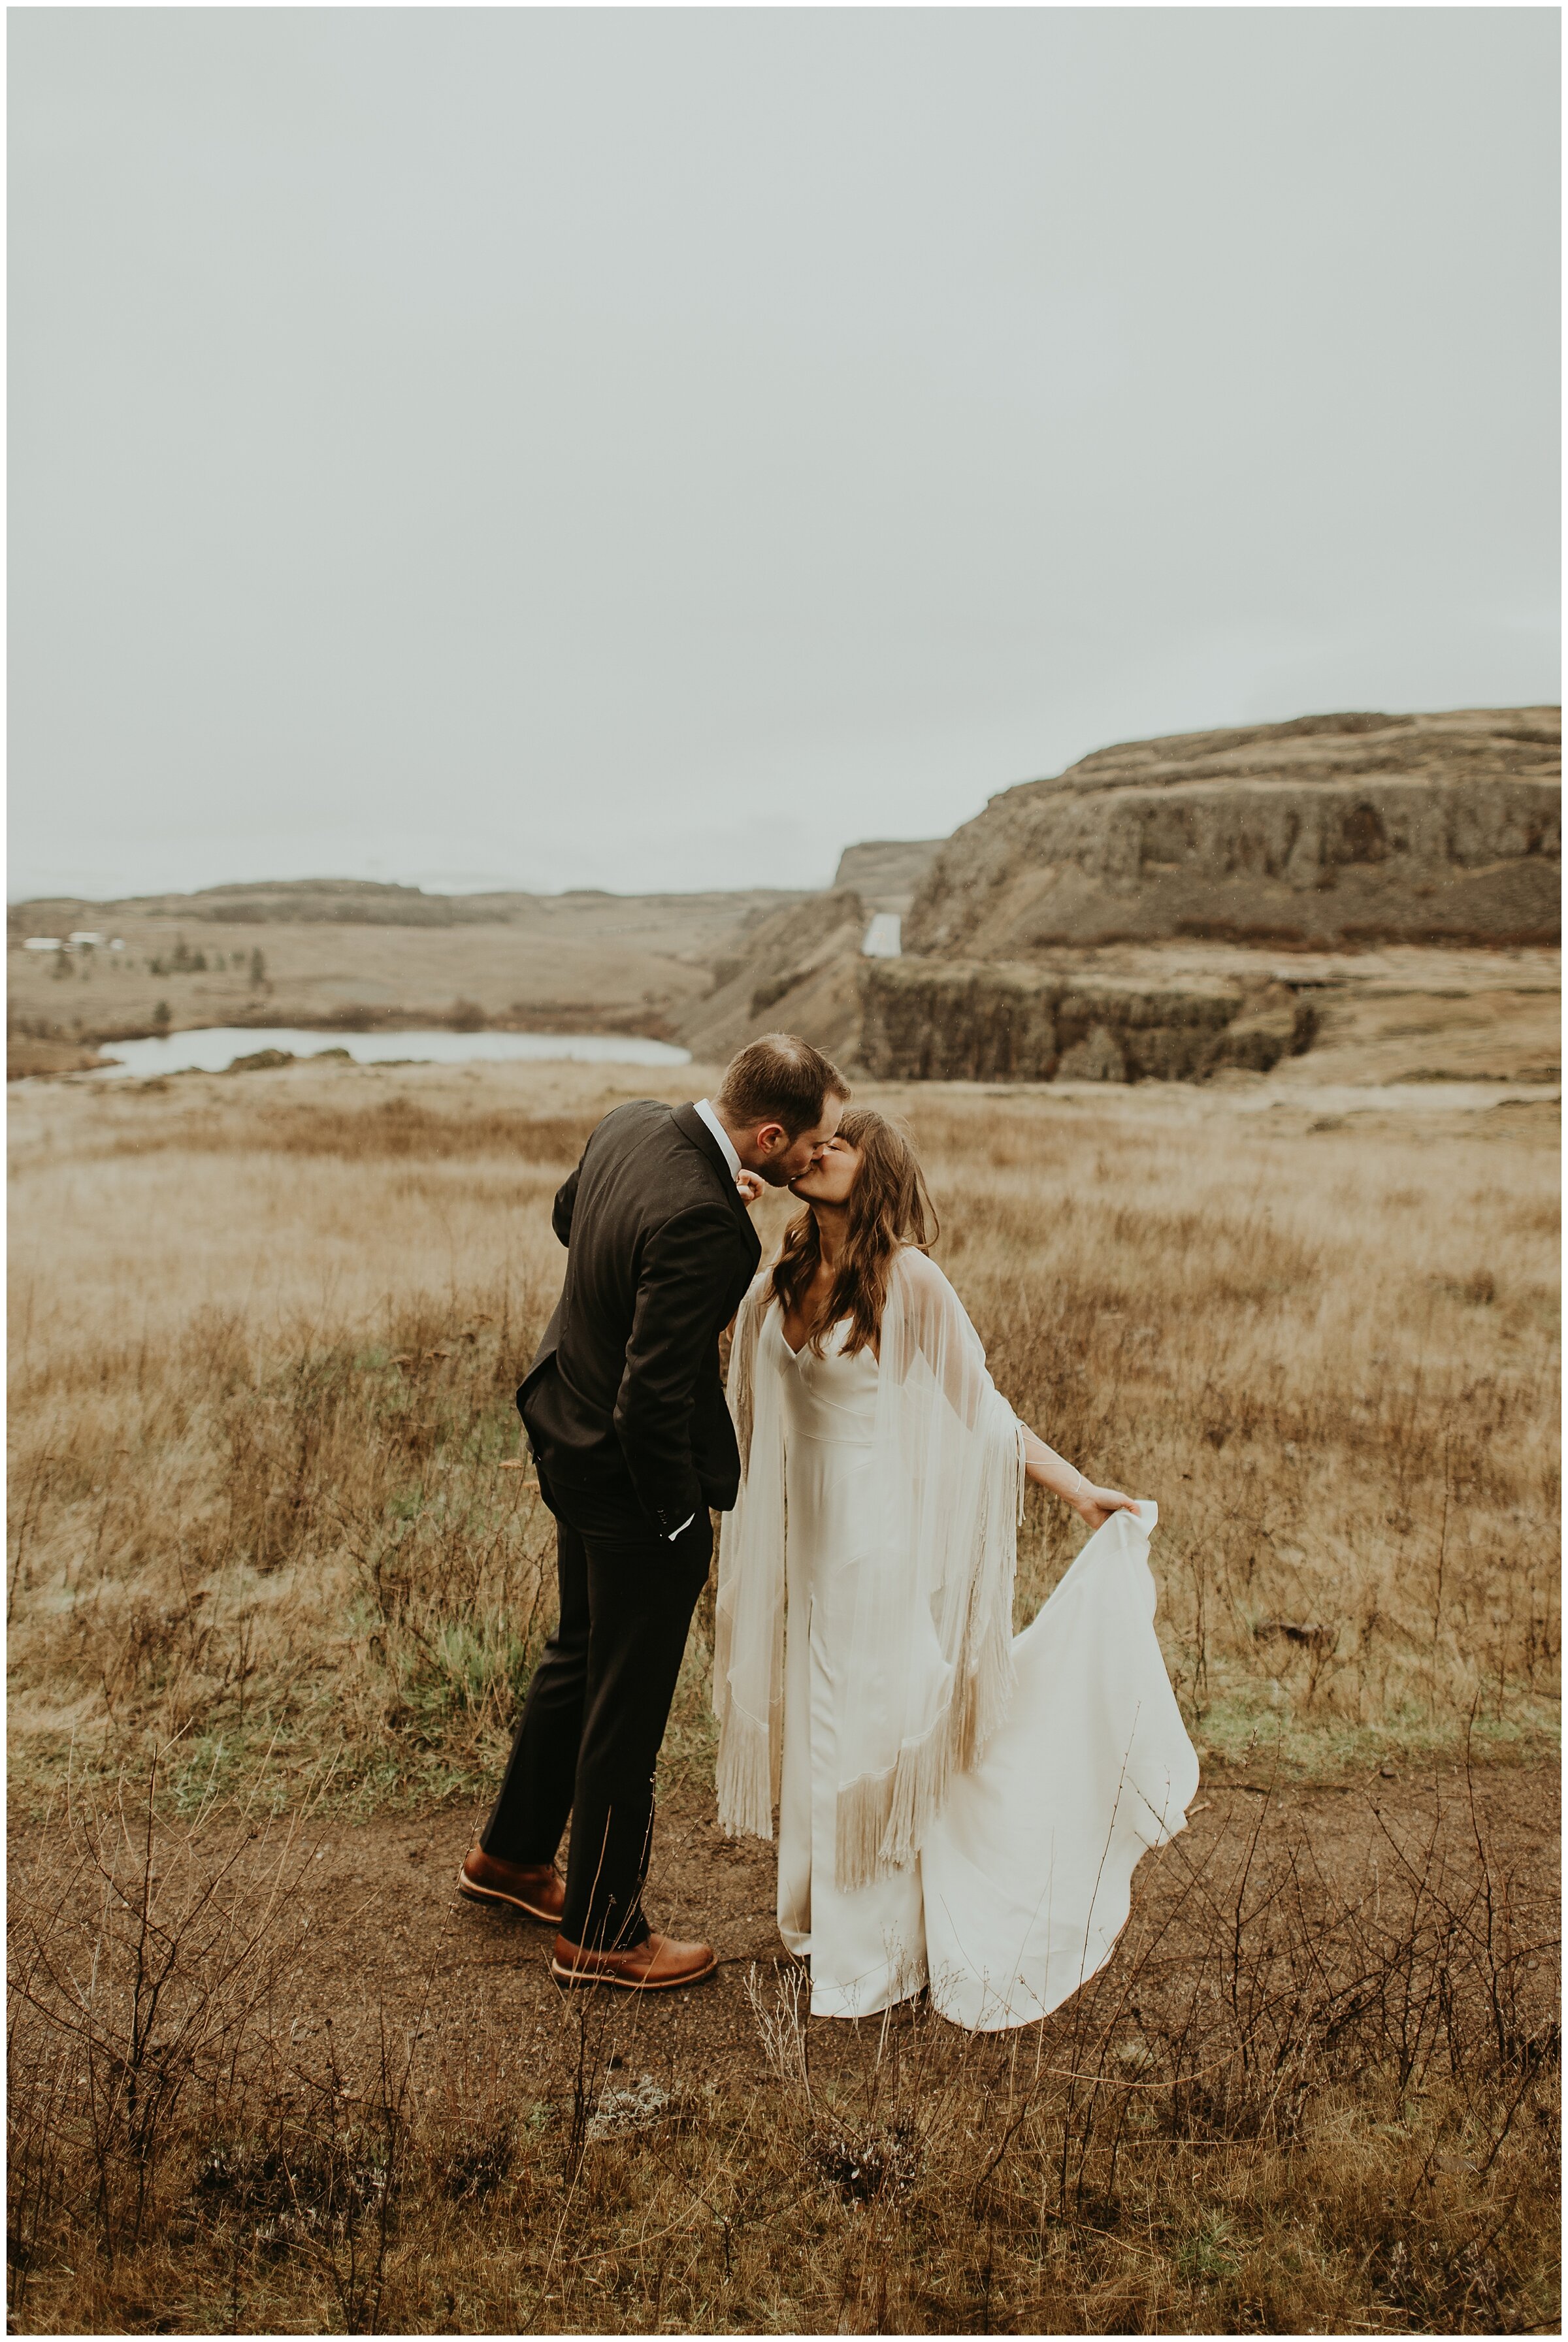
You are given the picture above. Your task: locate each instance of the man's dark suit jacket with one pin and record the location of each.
(624, 1394)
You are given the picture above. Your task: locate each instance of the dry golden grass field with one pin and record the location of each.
(275, 1583)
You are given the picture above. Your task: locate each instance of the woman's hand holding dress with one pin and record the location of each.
(1095, 1506)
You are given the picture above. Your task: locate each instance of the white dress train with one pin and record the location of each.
(1023, 1880)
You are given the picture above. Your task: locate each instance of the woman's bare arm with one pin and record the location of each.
(1093, 1506)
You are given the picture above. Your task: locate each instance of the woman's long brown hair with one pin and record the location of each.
(888, 1207)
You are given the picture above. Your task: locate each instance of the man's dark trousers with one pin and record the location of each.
(596, 1710)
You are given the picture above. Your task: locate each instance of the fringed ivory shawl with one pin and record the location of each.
(932, 1672)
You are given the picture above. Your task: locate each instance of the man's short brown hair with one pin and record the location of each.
(780, 1078)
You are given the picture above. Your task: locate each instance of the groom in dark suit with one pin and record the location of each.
(625, 1414)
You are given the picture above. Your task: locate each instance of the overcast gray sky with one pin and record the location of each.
(655, 449)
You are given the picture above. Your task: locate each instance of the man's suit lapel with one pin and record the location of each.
(692, 1127)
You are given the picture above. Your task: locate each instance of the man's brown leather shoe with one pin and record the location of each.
(656, 1965)
(537, 1888)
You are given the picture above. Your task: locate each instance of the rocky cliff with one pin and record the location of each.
(1000, 1021)
(886, 872)
(792, 971)
(1331, 830)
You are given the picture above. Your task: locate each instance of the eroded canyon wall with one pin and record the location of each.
(1005, 1021)
(1332, 830)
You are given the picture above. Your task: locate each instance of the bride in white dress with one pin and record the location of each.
(957, 1806)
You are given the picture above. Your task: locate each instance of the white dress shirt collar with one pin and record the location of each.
(705, 1109)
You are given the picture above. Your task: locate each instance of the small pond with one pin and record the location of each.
(212, 1049)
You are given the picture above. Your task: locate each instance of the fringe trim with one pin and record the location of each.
(775, 1715)
(751, 1752)
(881, 1819)
(745, 1779)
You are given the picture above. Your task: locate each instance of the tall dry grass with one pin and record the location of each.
(266, 1555)
(265, 1346)
(262, 1397)
(1334, 1361)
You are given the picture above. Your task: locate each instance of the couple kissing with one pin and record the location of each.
(958, 1808)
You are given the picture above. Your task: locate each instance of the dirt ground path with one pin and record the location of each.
(377, 1935)
(1334, 1925)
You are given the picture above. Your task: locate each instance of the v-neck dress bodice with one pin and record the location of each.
(828, 1394)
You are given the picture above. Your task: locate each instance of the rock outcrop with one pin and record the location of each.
(886, 872)
(793, 971)
(1332, 830)
(1002, 1021)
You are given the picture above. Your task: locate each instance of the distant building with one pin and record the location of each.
(883, 937)
(85, 936)
(43, 942)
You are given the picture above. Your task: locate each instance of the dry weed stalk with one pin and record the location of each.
(139, 1967)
